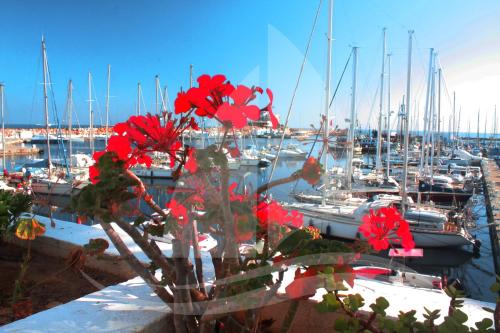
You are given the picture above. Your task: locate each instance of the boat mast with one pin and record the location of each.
(406, 118)
(3, 127)
(432, 125)
(107, 102)
(327, 101)
(388, 112)
(353, 117)
(477, 135)
(157, 85)
(70, 114)
(190, 75)
(138, 99)
(495, 128)
(426, 113)
(458, 125)
(46, 106)
(165, 100)
(454, 117)
(379, 135)
(485, 136)
(439, 114)
(91, 116)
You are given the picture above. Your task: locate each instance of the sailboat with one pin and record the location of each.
(50, 182)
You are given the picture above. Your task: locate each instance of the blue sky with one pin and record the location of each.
(257, 42)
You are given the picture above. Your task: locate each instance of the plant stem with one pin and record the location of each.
(230, 249)
(197, 258)
(183, 302)
(156, 257)
(135, 264)
(223, 140)
(496, 316)
(151, 203)
(290, 315)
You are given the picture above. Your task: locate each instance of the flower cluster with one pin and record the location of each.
(386, 227)
(254, 213)
(271, 212)
(215, 97)
(139, 136)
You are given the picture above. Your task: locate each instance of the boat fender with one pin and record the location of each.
(328, 230)
(311, 223)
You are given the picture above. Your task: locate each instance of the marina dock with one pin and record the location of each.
(491, 177)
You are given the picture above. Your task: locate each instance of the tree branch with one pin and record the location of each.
(152, 253)
(135, 264)
(263, 188)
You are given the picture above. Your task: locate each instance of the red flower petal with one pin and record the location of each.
(120, 145)
(231, 114)
(269, 109)
(178, 211)
(182, 103)
(191, 164)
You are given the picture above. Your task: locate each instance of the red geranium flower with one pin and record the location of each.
(206, 98)
(120, 145)
(269, 109)
(178, 211)
(94, 169)
(386, 227)
(141, 135)
(271, 212)
(191, 164)
(238, 112)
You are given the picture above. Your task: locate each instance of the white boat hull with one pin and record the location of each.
(153, 173)
(52, 188)
(344, 225)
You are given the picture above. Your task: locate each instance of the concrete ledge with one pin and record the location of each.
(127, 307)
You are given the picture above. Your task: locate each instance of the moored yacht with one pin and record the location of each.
(430, 227)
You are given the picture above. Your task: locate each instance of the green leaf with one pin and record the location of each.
(328, 304)
(431, 315)
(488, 310)
(354, 302)
(407, 318)
(459, 316)
(484, 325)
(379, 306)
(292, 241)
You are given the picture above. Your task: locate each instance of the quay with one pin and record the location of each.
(491, 181)
(20, 151)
